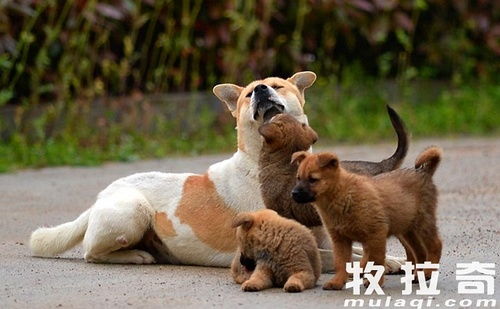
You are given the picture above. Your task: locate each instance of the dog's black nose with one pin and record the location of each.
(301, 196)
(261, 88)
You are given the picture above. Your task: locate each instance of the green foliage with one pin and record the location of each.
(354, 113)
(79, 79)
(61, 50)
(127, 129)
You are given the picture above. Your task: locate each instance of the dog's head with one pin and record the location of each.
(261, 100)
(249, 224)
(284, 132)
(315, 175)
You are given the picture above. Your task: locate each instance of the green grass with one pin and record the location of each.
(360, 116)
(63, 135)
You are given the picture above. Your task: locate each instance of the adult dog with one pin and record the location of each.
(184, 218)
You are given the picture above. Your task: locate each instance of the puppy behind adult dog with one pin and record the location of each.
(359, 208)
(283, 136)
(274, 251)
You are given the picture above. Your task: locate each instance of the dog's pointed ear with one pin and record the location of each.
(328, 160)
(298, 157)
(303, 80)
(244, 219)
(270, 132)
(229, 94)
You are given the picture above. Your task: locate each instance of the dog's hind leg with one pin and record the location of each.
(418, 248)
(433, 245)
(118, 221)
(300, 281)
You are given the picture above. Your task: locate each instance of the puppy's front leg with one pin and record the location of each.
(342, 251)
(239, 272)
(261, 279)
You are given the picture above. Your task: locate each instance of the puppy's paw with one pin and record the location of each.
(334, 284)
(251, 286)
(241, 278)
(293, 286)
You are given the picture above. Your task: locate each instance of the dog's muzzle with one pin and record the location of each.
(301, 196)
(265, 106)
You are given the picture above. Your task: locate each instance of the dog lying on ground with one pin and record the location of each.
(283, 136)
(185, 218)
(370, 209)
(283, 252)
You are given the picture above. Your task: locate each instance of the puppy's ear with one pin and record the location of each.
(229, 94)
(244, 219)
(328, 160)
(303, 80)
(270, 132)
(298, 157)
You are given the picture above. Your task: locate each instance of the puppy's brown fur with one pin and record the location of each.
(285, 253)
(370, 209)
(283, 136)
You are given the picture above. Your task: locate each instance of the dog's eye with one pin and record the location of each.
(249, 94)
(276, 87)
(313, 180)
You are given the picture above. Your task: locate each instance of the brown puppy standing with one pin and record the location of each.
(281, 252)
(283, 136)
(370, 209)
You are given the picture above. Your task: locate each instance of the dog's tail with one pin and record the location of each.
(389, 164)
(50, 241)
(428, 160)
(395, 161)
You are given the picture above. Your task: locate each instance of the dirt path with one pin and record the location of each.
(469, 215)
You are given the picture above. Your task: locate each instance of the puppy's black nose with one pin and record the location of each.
(261, 88)
(301, 196)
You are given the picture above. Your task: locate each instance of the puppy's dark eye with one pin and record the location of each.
(249, 94)
(313, 180)
(276, 87)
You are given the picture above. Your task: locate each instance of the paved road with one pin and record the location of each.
(469, 214)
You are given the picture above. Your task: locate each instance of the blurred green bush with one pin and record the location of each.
(52, 50)
(101, 68)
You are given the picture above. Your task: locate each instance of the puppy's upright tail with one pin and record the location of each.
(389, 164)
(50, 241)
(429, 159)
(395, 161)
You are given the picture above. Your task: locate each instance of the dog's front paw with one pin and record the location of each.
(141, 257)
(293, 286)
(393, 265)
(334, 284)
(251, 286)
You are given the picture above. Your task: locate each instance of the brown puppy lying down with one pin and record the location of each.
(283, 136)
(274, 251)
(370, 209)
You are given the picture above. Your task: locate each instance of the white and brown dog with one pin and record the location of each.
(185, 218)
